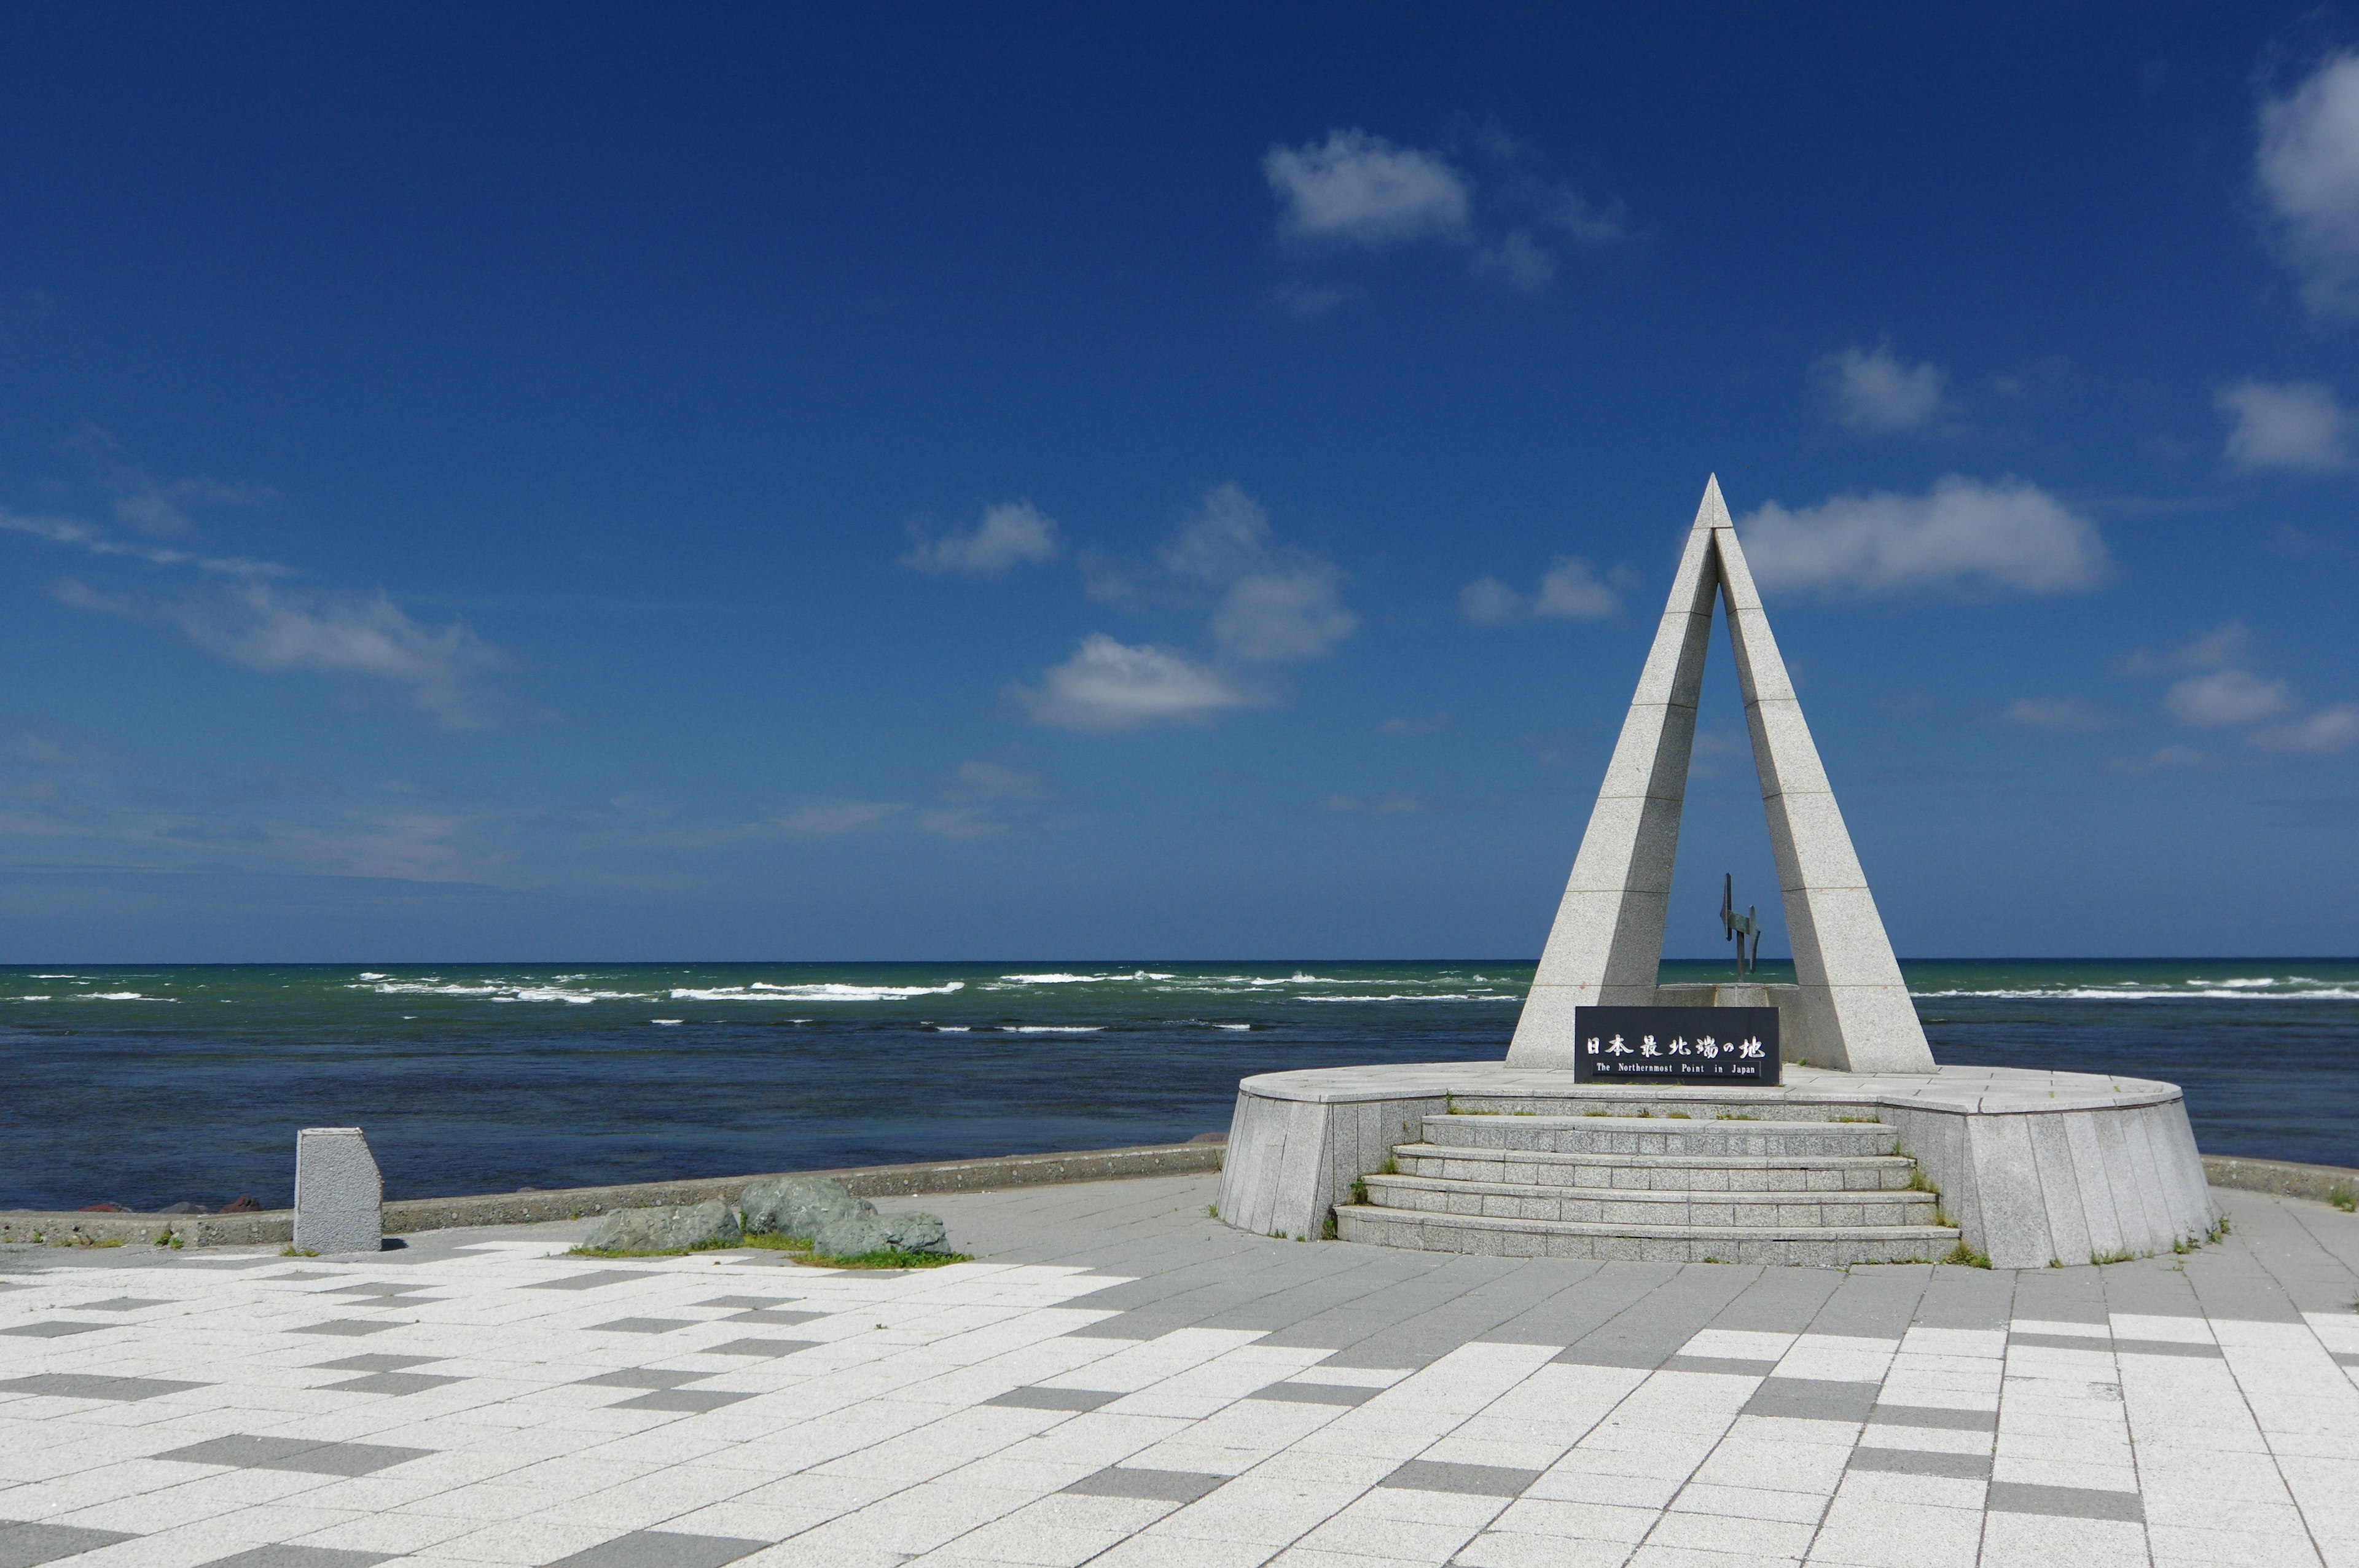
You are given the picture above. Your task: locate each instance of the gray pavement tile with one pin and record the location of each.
(291, 1556)
(771, 1315)
(1726, 1365)
(1918, 1462)
(301, 1274)
(1316, 1393)
(644, 1378)
(694, 1402)
(25, 1545)
(376, 1363)
(376, 1289)
(1129, 1325)
(2064, 1502)
(661, 1549)
(1151, 1486)
(1481, 1480)
(1873, 1305)
(589, 1281)
(1812, 1399)
(1933, 1416)
(1038, 1398)
(249, 1452)
(1778, 1300)
(643, 1324)
(347, 1327)
(758, 1347)
(122, 1303)
(392, 1383)
(2346, 1358)
(747, 1302)
(2202, 1349)
(57, 1328)
(2098, 1342)
(91, 1386)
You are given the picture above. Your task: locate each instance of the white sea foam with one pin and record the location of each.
(1233, 1027)
(2214, 993)
(36, 998)
(952, 1028)
(1422, 996)
(667, 1021)
(578, 999)
(117, 996)
(373, 975)
(761, 990)
(57, 977)
(1066, 980)
(1050, 1028)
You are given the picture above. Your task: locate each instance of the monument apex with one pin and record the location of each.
(1850, 1009)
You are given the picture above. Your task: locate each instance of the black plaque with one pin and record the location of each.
(1725, 1047)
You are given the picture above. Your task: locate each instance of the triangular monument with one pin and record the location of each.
(1852, 1008)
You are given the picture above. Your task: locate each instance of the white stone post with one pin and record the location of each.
(338, 1192)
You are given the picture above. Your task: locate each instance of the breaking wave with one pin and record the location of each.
(760, 990)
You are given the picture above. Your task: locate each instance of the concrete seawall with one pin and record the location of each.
(276, 1227)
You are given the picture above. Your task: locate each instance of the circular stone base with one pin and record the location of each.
(2032, 1167)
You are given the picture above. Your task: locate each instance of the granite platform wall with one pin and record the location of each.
(2033, 1168)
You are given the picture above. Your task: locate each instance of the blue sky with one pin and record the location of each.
(729, 483)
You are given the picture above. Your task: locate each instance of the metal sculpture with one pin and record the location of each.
(1737, 927)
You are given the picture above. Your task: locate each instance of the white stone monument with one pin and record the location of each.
(1852, 1011)
(338, 1192)
(1864, 1152)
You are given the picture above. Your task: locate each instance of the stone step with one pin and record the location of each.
(1819, 1246)
(1645, 1210)
(1664, 1173)
(1660, 1135)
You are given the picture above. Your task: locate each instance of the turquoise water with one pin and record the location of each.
(148, 1085)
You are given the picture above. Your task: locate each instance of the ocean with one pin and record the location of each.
(146, 1086)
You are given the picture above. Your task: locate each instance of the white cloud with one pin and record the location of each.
(2307, 171)
(2328, 731)
(1569, 591)
(988, 781)
(2298, 425)
(2059, 715)
(1280, 605)
(1487, 602)
(1874, 392)
(1964, 535)
(2224, 645)
(1431, 724)
(2227, 698)
(1012, 533)
(98, 542)
(838, 818)
(1281, 616)
(1304, 301)
(263, 629)
(1108, 687)
(1516, 262)
(1361, 190)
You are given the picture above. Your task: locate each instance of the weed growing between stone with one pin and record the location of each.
(2343, 1198)
(1967, 1257)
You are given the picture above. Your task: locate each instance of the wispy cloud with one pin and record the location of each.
(2225, 698)
(264, 629)
(1569, 590)
(1358, 189)
(1015, 533)
(2061, 716)
(1874, 392)
(101, 541)
(2307, 174)
(1107, 687)
(1965, 534)
(838, 818)
(142, 501)
(2295, 425)
(2228, 644)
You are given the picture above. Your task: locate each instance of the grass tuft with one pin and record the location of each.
(1967, 1257)
(2343, 1198)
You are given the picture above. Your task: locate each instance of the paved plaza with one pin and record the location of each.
(1120, 1381)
